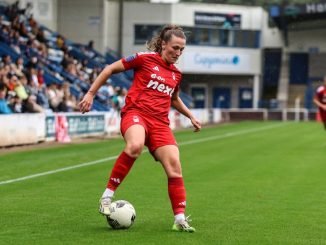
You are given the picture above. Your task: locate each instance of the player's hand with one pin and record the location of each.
(85, 105)
(196, 123)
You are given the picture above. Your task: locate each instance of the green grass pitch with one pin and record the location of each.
(247, 183)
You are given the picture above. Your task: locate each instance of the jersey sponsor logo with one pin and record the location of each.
(156, 68)
(131, 57)
(155, 76)
(160, 87)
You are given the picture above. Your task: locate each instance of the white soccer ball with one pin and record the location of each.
(123, 214)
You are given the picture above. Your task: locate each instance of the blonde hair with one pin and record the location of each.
(155, 44)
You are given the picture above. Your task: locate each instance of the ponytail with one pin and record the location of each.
(155, 44)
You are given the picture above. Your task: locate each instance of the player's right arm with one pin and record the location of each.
(86, 103)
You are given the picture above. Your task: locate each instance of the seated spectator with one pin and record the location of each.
(30, 105)
(56, 97)
(90, 44)
(6, 60)
(40, 77)
(33, 24)
(117, 99)
(15, 104)
(42, 99)
(69, 100)
(4, 108)
(107, 90)
(18, 66)
(19, 88)
(55, 55)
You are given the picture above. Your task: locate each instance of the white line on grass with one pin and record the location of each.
(115, 157)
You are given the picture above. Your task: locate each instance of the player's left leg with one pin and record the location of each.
(168, 155)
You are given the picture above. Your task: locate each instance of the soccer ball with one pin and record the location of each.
(122, 216)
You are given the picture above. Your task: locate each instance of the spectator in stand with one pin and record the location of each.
(69, 100)
(4, 107)
(117, 99)
(123, 95)
(30, 105)
(90, 44)
(72, 68)
(61, 43)
(23, 30)
(27, 11)
(12, 10)
(15, 104)
(107, 90)
(19, 88)
(18, 66)
(33, 24)
(14, 40)
(227, 25)
(40, 36)
(51, 93)
(40, 77)
(320, 101)
(55, 94)
(95, 72)
(42, 99)
(32, 63)
(10, 81)
(32, 76)
(6, 60)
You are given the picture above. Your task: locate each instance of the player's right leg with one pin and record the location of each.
(105, 202)
(134, 135)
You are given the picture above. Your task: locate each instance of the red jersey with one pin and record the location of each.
(321, 94)
(154, 83)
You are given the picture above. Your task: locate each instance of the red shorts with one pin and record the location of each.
(157, 133)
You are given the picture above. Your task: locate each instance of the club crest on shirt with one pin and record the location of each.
(135, 119)
(173, 76)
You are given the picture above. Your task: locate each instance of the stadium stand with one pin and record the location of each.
(50, 61)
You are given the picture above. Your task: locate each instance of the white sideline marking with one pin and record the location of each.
(115, 157)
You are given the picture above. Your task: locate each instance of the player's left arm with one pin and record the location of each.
(318, 103)
(178, 104)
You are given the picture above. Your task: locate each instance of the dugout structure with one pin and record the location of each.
(301, 63)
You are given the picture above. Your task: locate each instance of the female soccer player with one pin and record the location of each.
(144, 118)
(320, 101)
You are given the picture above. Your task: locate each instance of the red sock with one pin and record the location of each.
(177, 194)
(120, 170)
